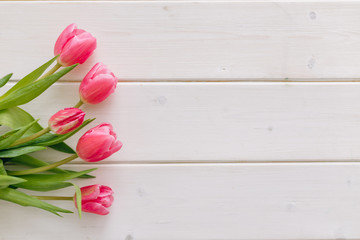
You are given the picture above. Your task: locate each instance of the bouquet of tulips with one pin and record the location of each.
(18, 169)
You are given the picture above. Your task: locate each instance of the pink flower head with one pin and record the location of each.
(97, 85)
(98, 143)
(66, 120)
(74, 46)
(96, 199)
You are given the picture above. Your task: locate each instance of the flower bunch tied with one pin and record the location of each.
(19, 169)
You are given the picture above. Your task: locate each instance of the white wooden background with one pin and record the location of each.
(240, 119)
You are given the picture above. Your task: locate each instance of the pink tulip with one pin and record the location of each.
(97, 85)
(66, 120)
(96, 199)
(98, 143)
(74, 46)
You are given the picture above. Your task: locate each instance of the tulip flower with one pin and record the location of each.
(66, 120)
(95, 145)
(74, 46)
(97, 85)
(96, 199)
(98, 143)
(62, 122)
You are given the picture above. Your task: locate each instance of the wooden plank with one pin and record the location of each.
(176, 0)
(132, 0)
(207, 201)
(202, 122)
(175, 40)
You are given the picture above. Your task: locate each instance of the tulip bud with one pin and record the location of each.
(74, 46)
(98, 143)
(66, 120)
(96, 199)
(97, 85)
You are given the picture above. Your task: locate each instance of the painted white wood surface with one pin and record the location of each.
(223, 122)
(176, 177)
(208, 201)
(160, 40)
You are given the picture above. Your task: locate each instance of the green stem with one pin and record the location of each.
(53, 198)
(79, 104)
(44, 168)
(51, 71)
(31, 137)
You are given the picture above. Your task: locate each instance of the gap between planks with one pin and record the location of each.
(212, 1)
(218, 162)
(112, 164)
(257, 80)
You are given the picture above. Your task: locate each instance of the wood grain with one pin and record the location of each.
(207, 201)
(223, 122)
(240, 119)
(182, 41)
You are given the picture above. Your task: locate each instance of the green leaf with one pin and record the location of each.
(33, 162)
(49, 137)
(5, 180)
(16, 117)
(34, 75)
(78, 199)
(43, 138)
(15, 196)
(55, 177)
(5, 79)
(63, 147)
(61, 138)
(30, 91)
(30, 161)
(49, 182)
(2, 168)
(2, 172)
(82, 176)
(10, 137)
(8, 134)
(43, 187)
(14, 152)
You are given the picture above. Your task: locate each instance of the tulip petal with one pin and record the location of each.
(115, 146)
(98, 89)
(96, 203)
(105, 191)
(93, 148)
(66, 120)
(90, 192)
(78, 49)
(98, 143)
(97, 85)
(102, 69)
(64, 37)
(105, 201)
(94, 207)
(91, 73)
